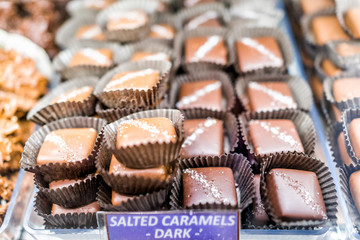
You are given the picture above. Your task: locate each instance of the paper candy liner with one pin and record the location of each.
(43, 208)
(79, 194)
(62, 60)
(65, 36)
(347, 116)
(131, 185)
(328, 111)
(128, 35)
(300, 90)
(345, 173)
(150, 154)
(328, 90)
(144, 202)
(231, 127)
(320, 57)
(302, 121)
(113, 114)
(244, 179)
(46, 111)
(179, 44)
(226, 86)
(280, 37)
(130, 98)
(348, 62)
(58, 171)
(341, 9)
(300, 161)
(186, 14)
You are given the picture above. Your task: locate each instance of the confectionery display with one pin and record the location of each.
(158, 115)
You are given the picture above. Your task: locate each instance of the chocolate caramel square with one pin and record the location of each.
(260, 217)
(206, 19)
(67, 182)
(310, 6)
(354, 184)
(346, 49)
(327, 29)
(90, 56)
(342, 149)
(75, 95)
(329, 68)
(162, 31)
(127, 20)
(118, 199)
(352, 21)
(354, 135)
(153, 56)
(90, 208)
(91, 31)
(346, 89)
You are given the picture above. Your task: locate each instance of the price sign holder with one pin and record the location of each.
(190, 224)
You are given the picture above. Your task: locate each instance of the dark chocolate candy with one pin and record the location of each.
(354, 182)
(90, 208)
(354, 135)
(268, 96)
(346, 89)
(67, 182)
(323, 33)
(295, 195)
(201, 94)
(208, 185)
(260, 217)
(67, 145)
(257, 53)
(352, 20)
(203, 137)
(117, 199)
(273, 136)
(206, 49)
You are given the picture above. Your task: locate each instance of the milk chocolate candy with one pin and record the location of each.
(346, 89)
(354, 182)
(67, 182)
(67, 145)
(143, 131)
(310, 6)
(268, 96)
(162, 31)
(295, 195)
(127, 20)
(140, 80)
(157, 173)
(354, 135)
(156, 56)
(206, 49)
(92, 32)
(203, 137)
(90, 208)
(275, 135)
(90, 56)
(257, 53)
(75, 95)
(260, 217)
(200, 94)
(206, 19)
(117, 199)
(329, 68)
(352, 21)
(208, 185)
(342, 149)
(323, 33)
(346, 49)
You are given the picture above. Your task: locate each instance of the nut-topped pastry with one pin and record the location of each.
(127, 20)
(90, 56)
(67, 145)
(162, 31)
(158, 129)
(76, 95)
(140, 80)
(206, 49)
(92, 32)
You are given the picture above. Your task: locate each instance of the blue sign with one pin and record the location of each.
(173, 225)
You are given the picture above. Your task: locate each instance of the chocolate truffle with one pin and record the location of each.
(127, 20)
(208, 185)
(67, 182)
(260, 217)
(352, 21)
(90, 32)
(346, 49)
(117, 199)
(323, 33)
(268, 96)
(158, 173)
(140, 80)
(200, 94)
(143, 131)
(75, 95)
(274, 136)
(310, 6)
(354, 135)
(342, 149)
(329, 68)
(67, 145)
(295, 195)
(346, 89)
(354, 181)
(203, 137)
(90, 56)
(206, 49)
(257, 53)
(90, 208)
(162, 31)
(191, 3)
(156, 56)
(206, 19)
